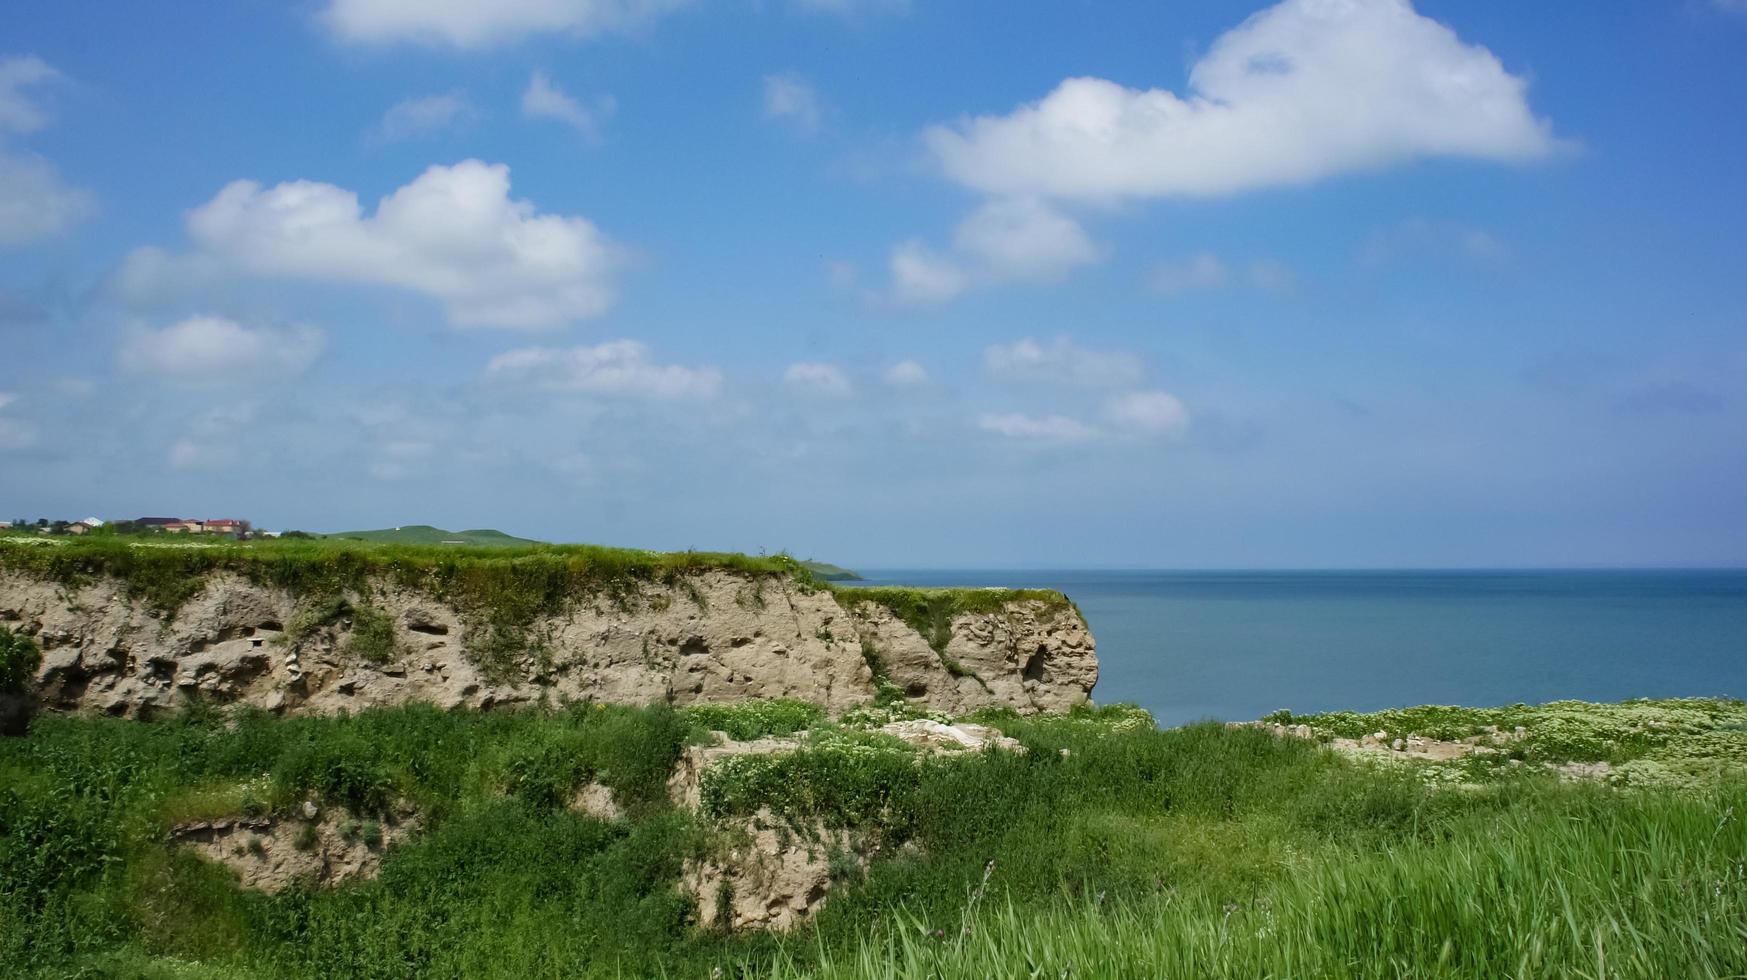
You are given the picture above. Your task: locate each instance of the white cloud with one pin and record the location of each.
(453, 234)
(411, 118)
(1731, 6)
(819, 379)
(7, 398)
(18, 112)
(921, 276)
(35, 202)
(618, 367)
(479, 23)
(1044, 428)
(1154, 413)
(1022, 238)
(544, 100)
(792, 99)
(1302, 91)
(1062, 362)
(906, 374)
(1004, 240)
(214, 349)
(1202, 271)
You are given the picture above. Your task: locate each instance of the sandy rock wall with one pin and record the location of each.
(713, 636)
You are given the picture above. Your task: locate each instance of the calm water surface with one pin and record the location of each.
(1237, 645)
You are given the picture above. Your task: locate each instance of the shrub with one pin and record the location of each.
(755, 719)
(19, 660)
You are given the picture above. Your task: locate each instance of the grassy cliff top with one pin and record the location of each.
(514, 576)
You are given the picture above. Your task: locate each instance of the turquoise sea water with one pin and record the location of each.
(1237, 645)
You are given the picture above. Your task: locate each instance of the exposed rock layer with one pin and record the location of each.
(711, 636)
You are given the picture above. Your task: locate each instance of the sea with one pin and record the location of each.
(1233, 645)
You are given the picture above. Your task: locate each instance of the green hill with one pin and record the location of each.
(829, 572)
(426, 534)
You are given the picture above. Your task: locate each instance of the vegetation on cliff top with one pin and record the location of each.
(1644, 742)
(516, 580)
(1204, 851)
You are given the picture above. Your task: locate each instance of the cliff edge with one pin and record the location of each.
(137, 629)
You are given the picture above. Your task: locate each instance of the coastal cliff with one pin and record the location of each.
(138, 630)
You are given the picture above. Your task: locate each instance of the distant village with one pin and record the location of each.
(225, 527)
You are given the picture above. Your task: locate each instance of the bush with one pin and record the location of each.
(19, 660)
(755, 719)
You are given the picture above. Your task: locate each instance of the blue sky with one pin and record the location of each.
(1326, 283)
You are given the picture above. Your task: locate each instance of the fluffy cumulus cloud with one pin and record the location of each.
(791, 99)
(922, 276)
(543, 99)
(1022, 238)
(35, 201)
(214, 349)
(818, 379)
(1061, 361)
(1004, 240)
(484, 23)
(411, 118)
(1302, 91)
(453, 234)
(618, 367)
(1111, 383)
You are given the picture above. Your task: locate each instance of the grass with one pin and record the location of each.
(501, 591)
(428, 535)
(1197, 852)
(1646, 742)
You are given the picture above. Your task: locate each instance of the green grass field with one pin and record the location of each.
(1198, 852)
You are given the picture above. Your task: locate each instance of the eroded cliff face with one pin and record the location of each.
(717, 635)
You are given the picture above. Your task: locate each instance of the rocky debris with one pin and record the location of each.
(314, 848)
(713, 636)
(933, 736)
(769, 876)
(596, 800)
(1490, 741)
(1408, 747)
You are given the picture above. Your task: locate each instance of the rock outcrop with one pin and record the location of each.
(767, 872)
(317, 848)
(713, 635)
